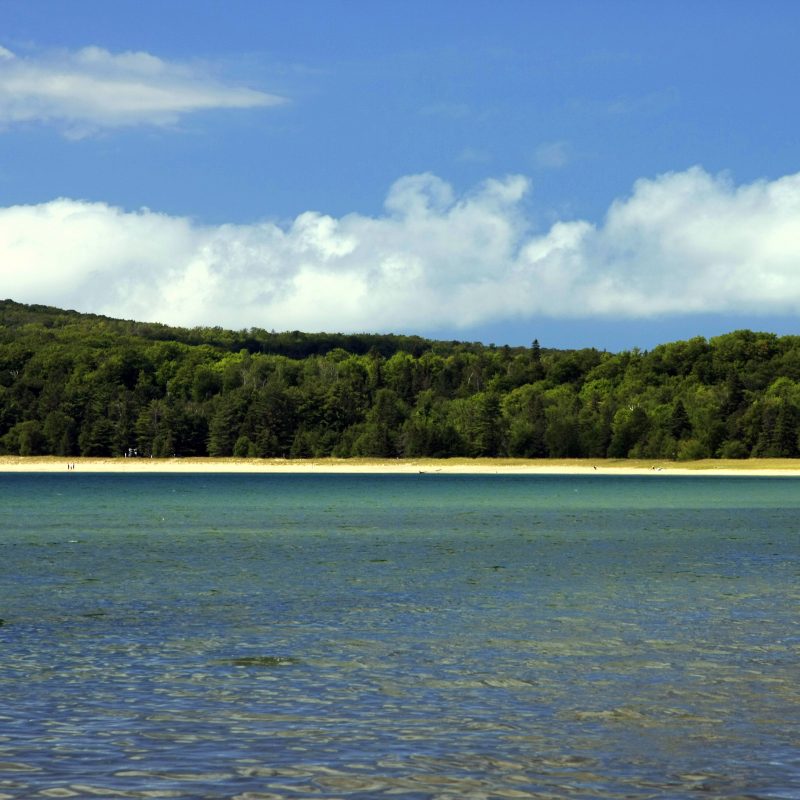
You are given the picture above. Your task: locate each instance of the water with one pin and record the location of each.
(425, 636)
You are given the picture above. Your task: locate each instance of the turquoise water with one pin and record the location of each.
(417, 636)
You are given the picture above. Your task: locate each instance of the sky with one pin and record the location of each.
(610, 174)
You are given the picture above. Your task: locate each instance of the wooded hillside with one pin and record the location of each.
(79, 384)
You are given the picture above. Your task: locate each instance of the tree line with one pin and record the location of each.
(80, 384)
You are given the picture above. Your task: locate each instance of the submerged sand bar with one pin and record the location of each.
(784, 467)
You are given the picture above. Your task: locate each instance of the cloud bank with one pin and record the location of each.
(685, 242)
(92, 89)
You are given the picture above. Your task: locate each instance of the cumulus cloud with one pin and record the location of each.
(92, 89)
(685, 242)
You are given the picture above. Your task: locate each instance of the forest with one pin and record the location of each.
(83, 384)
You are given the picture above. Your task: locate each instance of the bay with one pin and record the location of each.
(412, 636)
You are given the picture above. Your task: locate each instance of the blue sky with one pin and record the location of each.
(610, 174)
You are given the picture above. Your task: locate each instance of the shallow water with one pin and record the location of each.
(431, 636)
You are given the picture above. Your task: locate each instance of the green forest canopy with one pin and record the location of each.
(82, 384)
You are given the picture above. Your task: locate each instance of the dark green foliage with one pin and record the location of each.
(26, 439)
(380, 435)
(630, 428)
(75, 383)
(679, 423)
(224, 424)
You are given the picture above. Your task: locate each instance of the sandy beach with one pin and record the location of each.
(485, 466)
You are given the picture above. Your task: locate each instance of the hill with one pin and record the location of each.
(73, 383)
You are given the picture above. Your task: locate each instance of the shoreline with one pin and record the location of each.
(480, 466)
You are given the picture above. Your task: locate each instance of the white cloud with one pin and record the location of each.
(474, 155)
(92, 89)
(552, 155)
(685, 242)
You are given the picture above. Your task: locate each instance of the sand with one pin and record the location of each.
(485, 466)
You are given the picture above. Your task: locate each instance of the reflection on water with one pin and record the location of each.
(407, 636)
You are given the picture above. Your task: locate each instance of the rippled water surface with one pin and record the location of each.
(416, 636)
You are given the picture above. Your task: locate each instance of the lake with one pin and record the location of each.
(407, 636)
